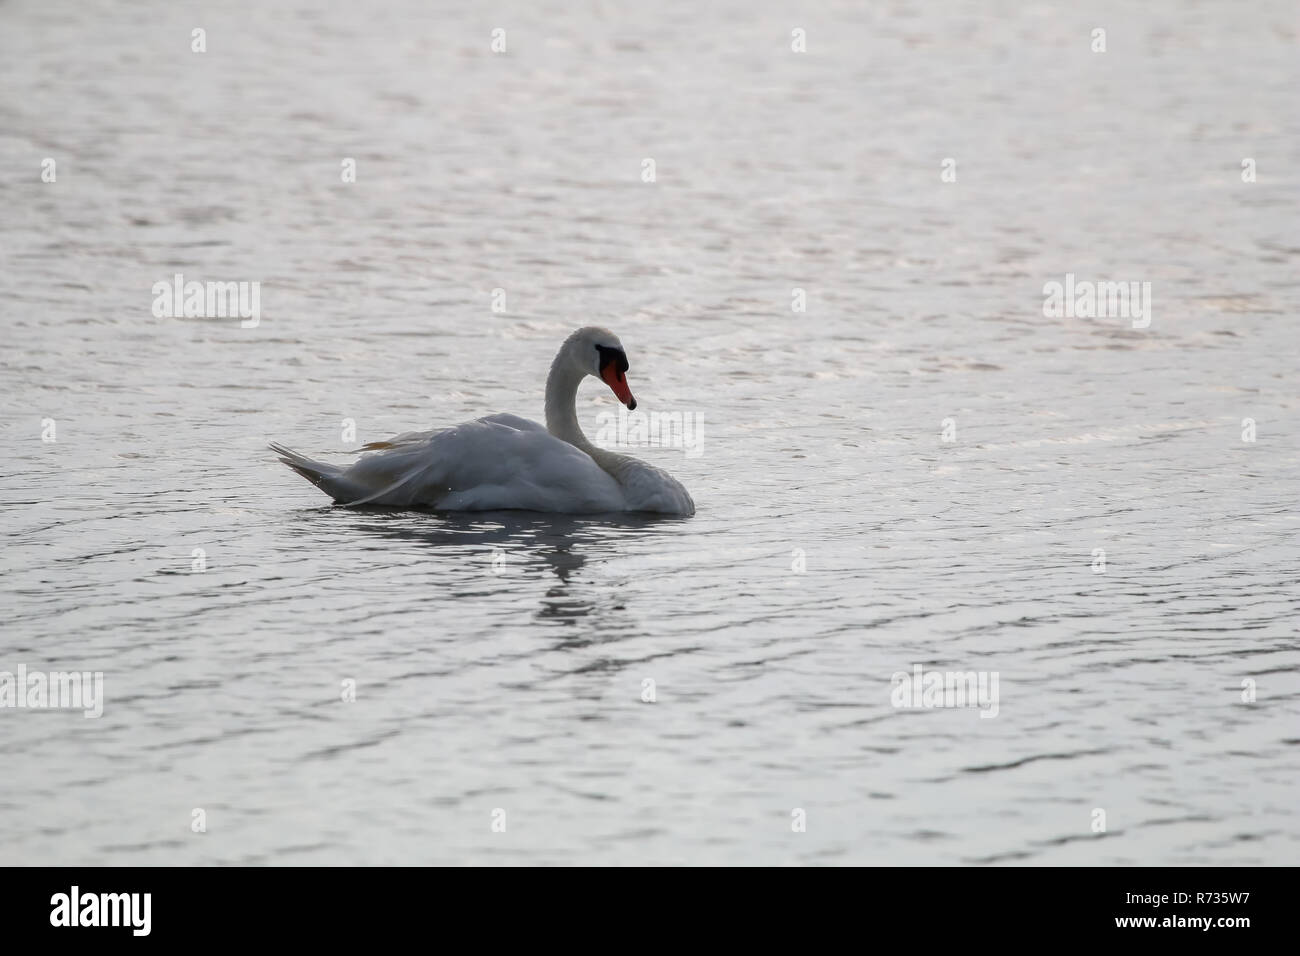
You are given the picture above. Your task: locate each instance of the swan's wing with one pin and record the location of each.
(416, 438)
(515, 422)
(399, 441)
(498, 462)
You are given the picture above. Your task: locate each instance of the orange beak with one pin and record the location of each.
(615, 379)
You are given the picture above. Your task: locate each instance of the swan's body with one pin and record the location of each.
(507, 462)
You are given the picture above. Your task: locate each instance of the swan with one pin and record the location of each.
(506, 462)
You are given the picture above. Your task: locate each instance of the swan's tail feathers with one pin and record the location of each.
(328, 478)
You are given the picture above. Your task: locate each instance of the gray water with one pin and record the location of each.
(500, 661)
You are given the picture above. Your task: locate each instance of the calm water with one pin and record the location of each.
(499, 660)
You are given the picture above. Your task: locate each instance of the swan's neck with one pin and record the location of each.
(562, 412)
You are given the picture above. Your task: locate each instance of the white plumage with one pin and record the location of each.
(507, 462)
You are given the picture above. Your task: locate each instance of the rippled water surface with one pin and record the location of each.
(500, 660)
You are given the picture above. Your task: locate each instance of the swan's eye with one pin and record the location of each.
(608, 354)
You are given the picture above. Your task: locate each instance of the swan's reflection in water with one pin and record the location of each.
(506, 543)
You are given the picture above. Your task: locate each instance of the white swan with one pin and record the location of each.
(505, 462)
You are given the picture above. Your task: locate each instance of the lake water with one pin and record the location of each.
(919, 469)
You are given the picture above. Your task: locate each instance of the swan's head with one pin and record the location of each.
(598, 352)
